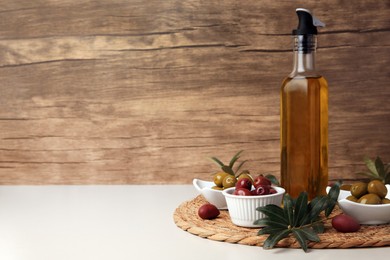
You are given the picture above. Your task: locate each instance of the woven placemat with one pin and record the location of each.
(222, 229)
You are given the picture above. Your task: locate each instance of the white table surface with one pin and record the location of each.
(120, 222)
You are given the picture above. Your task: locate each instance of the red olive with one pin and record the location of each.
(344, 223)
(261, 180)
(242, 192)
(244, 183)
(262, 189)
(208, 211)
(272, 191)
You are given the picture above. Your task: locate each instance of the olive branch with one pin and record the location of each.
(297, 217)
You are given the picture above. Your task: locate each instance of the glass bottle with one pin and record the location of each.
(304, 123)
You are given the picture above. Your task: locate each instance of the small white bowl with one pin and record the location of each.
(215, 197)
(365, 213)
(242, 209)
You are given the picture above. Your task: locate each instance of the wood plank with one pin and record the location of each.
(116, 92)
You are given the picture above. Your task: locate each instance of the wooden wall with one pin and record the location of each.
(133, 91)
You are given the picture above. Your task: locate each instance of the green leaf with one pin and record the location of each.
(273, 213)
(334, 191)
(380, 167)
(371, 166)
(318, 206)
(269, 230)
(311, 234)
(369, 175)
(330, 206)
(240, 165)
(269, 222)
(387, 173)
(244, 171)
(314, 201)
(216, 160)
(387, 168)
(332, 198)
(273, 207)
(297, 217)
(288, 209)
(235, 158)
(273, 239)
(387, 179)
(308, 218)
(302, 235)
(318, 227)
(301, 238)
(300, 208)
(227, 169)
(273, 179)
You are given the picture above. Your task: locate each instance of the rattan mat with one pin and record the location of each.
(222, 229)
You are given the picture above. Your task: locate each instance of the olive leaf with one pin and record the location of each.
(318, 227)
(334, 191)
(235, 158)
(298, 218)
(311, 234)
(270, 230)
(239, 167)
(274, 238)
(300, 208)
(216, 160)
(303, 235)
(273, 179)
(242, 172)
(387, 167)
(333, 196)
(371, 166)
(300, 236)
(377, 170)
(288, 209)
(229, 168)
(270, 223)
(317, 206)
(274, 213)
(380, 167)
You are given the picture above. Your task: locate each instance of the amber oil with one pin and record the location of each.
(304, 124)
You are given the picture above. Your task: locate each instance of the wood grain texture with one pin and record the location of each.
(117, 92)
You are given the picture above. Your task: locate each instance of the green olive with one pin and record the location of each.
(245, 175)
(346, 187)
(358, 189)
(217, 188)
(385, 201)
(352, 198)
(377, 187)
(370, 199)
(218, 178)
(229, 181)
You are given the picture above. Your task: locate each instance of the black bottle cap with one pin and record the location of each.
(307, 23)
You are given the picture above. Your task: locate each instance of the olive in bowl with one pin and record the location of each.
(213, 196)
(242, 209)
(364, 213)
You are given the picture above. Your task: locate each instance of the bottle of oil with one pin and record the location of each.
(304, 116)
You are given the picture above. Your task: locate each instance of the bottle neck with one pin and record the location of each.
(304, 56)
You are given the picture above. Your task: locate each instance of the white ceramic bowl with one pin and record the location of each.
(242, 209)
(364, 213)
(215, 197)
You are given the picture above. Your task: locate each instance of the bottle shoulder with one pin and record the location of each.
(299, 79)
(304, 73)
(304, 82)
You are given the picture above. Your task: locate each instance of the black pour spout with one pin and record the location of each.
(307, 24)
